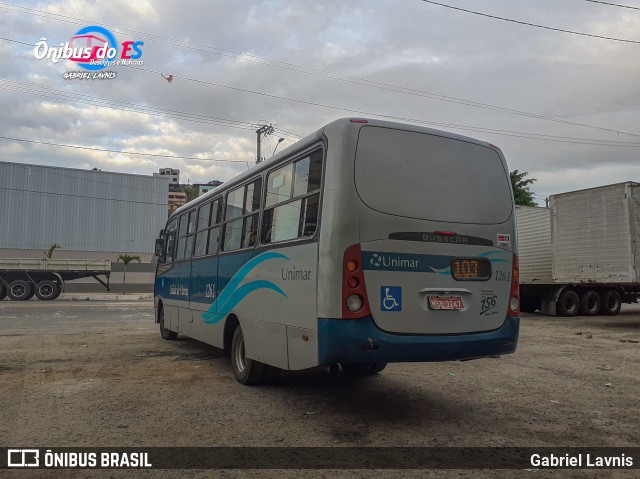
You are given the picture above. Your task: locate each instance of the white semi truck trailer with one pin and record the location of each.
(582, 254)
(21, 279)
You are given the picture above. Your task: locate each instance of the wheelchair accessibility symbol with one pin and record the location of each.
(391, 298)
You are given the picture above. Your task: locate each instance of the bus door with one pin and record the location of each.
(204, 286)
(180, 278)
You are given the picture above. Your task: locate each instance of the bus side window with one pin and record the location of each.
(170, 241)
(241, 216)
(186, 235)
(214, 231)
(208, 229)
(202, 235)
(168, 248)
(293, 211)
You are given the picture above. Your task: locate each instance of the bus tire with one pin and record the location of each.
(247, 371)
(3, 292)
(590, 303)
(20, 290)
(47, 290)
(610, 303)
(568, 303)
(362, 369)
(377, 367)
(164, 332)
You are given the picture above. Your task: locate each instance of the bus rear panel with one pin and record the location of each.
(433, 273)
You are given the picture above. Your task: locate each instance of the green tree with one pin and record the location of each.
(192, 192)
(52, 248)
(520, 184)
(126, 259)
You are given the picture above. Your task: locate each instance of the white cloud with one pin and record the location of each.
(412, 44)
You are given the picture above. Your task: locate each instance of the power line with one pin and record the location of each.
(58, 94)
(52, 93)
(119, 151)
(18, 190)
(304, 69)
(530, 24)
(533, 136)
(614, 4)
(16, 41)
(22, 87)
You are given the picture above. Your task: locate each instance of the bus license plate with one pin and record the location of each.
(450, 303)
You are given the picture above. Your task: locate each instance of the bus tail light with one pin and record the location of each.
(514, 296)
(354, 293)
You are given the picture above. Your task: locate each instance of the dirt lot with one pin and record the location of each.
(91, 373)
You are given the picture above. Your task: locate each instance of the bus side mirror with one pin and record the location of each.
(159, 247)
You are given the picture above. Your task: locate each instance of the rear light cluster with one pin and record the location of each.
(514, 297)
(354, 294)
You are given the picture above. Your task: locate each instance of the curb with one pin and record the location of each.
(106, 297)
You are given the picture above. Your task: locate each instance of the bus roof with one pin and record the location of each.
(315, 137)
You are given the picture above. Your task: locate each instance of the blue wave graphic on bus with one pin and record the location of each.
(233, 293)
(495, 260)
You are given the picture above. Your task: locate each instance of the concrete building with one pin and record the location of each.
(173, 175)
(206, 187)
(91, 214)
(176, 200)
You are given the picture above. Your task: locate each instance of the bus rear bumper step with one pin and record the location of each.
(341, 340)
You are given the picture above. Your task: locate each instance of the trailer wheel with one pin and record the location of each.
(3, 292)
(20, 290)
(568, 304)
(247, 371)
(610, 303)
(47, 290)
(590, 303)
(164, 332)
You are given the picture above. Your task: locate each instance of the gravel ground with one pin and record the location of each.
(97, 373)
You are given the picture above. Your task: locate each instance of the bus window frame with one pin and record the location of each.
(186, 213)
(262, 175)
(311, 149)
(170, 232)
(210, 227)
(243, 216)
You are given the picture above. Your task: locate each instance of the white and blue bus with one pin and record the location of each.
(366, 242)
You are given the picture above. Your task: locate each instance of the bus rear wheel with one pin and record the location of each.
(247, 371)
(164, 332)
(47, 290)
(20, 290)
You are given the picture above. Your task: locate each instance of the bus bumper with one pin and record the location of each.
(360, 341)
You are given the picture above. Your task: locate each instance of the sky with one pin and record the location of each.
(563, 107)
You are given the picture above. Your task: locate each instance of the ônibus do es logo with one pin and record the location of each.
(93, 49)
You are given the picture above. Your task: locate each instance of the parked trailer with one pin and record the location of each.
(21, 279)
(582, 254)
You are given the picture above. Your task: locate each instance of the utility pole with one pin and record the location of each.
(264, 130)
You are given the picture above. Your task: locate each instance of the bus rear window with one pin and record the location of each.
(423, 176)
